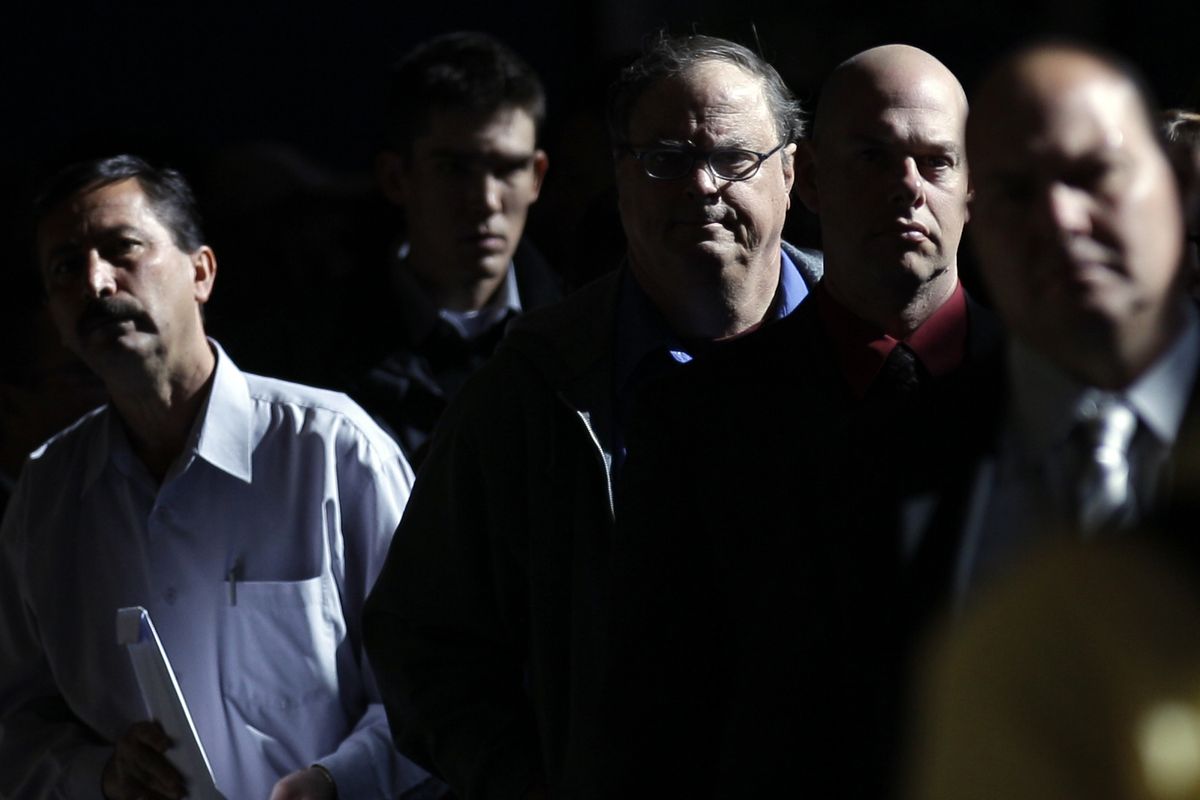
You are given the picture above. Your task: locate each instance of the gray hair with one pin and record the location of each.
(671, 56)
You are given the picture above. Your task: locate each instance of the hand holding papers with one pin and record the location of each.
(164, 701)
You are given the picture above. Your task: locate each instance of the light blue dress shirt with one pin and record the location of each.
(292, 492)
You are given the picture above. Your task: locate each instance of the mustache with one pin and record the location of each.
(1081, 250)
(106, 310)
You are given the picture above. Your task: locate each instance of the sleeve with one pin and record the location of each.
(45, 750)
(374, 483)
(445, 624)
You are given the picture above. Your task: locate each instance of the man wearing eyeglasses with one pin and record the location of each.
(488, 627)
(760, 589)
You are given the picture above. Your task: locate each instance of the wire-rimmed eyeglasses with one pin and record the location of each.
(726, 163)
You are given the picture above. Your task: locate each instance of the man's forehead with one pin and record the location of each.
(1054, 120)
(930, 104)
(98, 208)
(714, 97)
(505, 131)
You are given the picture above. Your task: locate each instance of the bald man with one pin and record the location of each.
(1080, 239)
(761, 588)
(886, 173)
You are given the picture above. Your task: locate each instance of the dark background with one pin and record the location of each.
(199, 78)
(274, 110)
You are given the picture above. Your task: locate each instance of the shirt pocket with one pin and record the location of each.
(279, 643)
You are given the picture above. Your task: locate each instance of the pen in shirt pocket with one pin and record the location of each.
(231, 580)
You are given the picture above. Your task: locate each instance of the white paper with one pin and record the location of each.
(164, 702)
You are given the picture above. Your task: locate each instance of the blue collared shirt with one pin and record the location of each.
(646, 345)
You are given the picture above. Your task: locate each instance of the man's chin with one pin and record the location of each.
(110, 343)
(482, 267)
(711, 254)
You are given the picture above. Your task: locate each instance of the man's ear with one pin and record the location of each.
(970, 199)
(204, 273)
(541, 163)
(788, 159)
(806, 176)
(390, 175)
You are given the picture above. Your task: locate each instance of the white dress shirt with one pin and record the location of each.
(292, 491)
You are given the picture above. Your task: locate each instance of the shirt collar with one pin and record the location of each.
(223, 436)
(418, 312)
(792, 288)
(506, 301)
(642, 329)
(940, 344)
(1161, 395)
(1045, 400)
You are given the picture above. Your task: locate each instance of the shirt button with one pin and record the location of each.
(170, 596)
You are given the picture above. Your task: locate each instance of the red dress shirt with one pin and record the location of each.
(940, 344)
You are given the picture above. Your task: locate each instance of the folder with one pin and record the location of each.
(164, 702)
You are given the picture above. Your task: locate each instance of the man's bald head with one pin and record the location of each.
(886, 173)
(1078, 222)
(880, 76)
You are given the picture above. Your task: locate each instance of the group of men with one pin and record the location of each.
(676, 534)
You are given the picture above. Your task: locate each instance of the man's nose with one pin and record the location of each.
(1066, 208)
(487, 192)
(910, 189)
(101, 277)
(701, 180)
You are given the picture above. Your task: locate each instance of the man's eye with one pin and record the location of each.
(452, 167)
(122, 247)
(64, 266)
(938, 162)
(667, 160)
(1095, 176)
(508, 170)
(733, 163)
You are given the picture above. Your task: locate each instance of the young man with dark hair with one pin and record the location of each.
(462, 163)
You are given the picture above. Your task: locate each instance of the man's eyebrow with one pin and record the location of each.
(940, 145)
(471, 155)
(74, 244)
(945, 145)
(740, 142)
(858, 139)
(121, 230)
(737, 142)
(62, 249)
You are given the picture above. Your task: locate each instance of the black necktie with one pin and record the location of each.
(901, 376)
